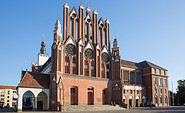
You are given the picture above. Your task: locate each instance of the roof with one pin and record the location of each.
(145, 64)
(45, 64)
(130, 64)
(8, 87)
(35, 80)
(140, 65)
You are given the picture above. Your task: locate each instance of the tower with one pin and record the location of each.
(42, 56)
(115, 85)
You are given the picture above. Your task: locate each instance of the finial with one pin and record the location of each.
(81, 2)
(115, 36)
(66, 1)
(87, 5)
(43, 36)
(94, 8)
(58, 17)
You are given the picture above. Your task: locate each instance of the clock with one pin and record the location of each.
(89, 53)
(105, 57)
(70, 49)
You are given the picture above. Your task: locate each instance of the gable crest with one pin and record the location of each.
(89, 45)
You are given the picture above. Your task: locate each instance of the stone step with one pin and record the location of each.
(70, 108)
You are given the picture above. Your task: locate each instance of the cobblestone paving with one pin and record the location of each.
(176, 109)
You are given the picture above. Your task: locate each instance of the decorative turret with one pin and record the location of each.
(115, 43)
(57, 31)
(43, 45)
(42, 56)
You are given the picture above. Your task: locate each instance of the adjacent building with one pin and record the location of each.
(84, 70)
(8, 96)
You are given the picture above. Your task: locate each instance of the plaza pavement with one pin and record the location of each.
(174, 109)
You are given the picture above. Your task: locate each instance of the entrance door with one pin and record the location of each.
(137, 102)
(90, 98)
(103, 96)
(39, 105)
(130, 102)
(72, 96)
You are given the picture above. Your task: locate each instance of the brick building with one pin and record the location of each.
(82, 69)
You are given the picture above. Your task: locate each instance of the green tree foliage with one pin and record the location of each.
(180, 96)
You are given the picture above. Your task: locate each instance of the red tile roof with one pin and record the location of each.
(34, 79)
(8, 87)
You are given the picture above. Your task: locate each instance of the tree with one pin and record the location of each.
(180, 96)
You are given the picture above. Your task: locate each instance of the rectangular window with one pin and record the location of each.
(159, 72)
(161, 91)
(138, 78)
(132, 77)
(14, 91)
(137, 91)
(130, 91)
(164, 72)
(156, 100)
(160, 81)
(154, 71)
(161, 100)
(155, 90)
(165, 99)
(155, 80)
(124, 91)
(74, 64)
(126, 76)
(164, 82)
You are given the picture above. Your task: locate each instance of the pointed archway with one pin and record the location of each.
(42, 101)
(28, 101)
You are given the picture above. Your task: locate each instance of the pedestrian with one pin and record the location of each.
(150, 105)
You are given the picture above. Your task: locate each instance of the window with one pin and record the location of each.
(164, 72)
(7, 100)
(76, 29)
(155, 100)
(126, 76)
(132, 77)
(161, 100)
(100, 36)
(124, 91)
(160, 81)
(104, 36)
(155, 80)
(74, 64)
(2, 95)
(165, 99)
(91, 30)
(8, 96)
(164, 82)
(159, 72)
(154, 71)
(127, 90)
(137, 91)
(161, 90)
(71, 27)
(14, 91)
(155, 90)
(124, 101)
(130, 91)
(165, 91)
(2, 91)
(2, 99)
(138, 78)
(85, 28)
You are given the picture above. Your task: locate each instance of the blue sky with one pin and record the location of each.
(152, 30)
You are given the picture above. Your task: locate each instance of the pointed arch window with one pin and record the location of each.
(86, 68)
(71, 26)
(77, 30)
(103, 70)
(67, 64)
(104, 37)
(92, 69)
(100, 36)
(74, 66)
(85, 28)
